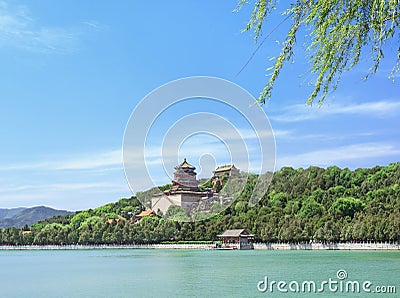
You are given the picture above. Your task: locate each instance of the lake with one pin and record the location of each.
(196, 273)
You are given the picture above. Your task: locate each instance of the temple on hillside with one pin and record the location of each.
(222, 174)
(229, 170)
(184, 192)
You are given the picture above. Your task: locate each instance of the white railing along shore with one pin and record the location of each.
(257, 246)
(105, 246)
(329, 246)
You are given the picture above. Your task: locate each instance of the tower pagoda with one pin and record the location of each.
(185, 177)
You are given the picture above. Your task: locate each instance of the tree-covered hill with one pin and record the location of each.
(19, 217)
(318, 204)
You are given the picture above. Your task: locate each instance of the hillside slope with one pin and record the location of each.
(301, 205)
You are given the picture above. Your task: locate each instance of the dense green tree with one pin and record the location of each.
(346, 207)
(311, 208)
(240, 207)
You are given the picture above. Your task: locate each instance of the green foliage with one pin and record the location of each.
(311, 208)
(217, 187)
(217, 208)
(104, 209)
(199, 216)
(346, 207)
(330, 204)
(278, 200)
(165, 187)
(241, 207)
(79, 218)
(338, 33)
(205, 185)
(176, 213)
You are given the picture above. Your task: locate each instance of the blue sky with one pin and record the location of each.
(72, 73)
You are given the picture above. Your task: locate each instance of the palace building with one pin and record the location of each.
(222, 174)
(185, 177)
(184, 192)
(230, 170)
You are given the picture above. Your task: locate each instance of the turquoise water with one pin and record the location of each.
(188, 273)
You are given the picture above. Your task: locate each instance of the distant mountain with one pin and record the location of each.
(19, 217)
(9, 213)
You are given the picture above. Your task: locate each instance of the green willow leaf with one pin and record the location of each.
(340, 34)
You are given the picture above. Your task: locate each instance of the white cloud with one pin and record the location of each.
(103, 161)
(19, 29)
(95, 25)
(219, 139)
(335, 136)
(240, 147)
(91, 161)
(300, 112)
(99, 186)
(328, 157)
(78, 182)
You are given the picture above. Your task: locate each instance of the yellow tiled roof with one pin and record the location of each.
(185, 164)
(146, 213)
(224, 168)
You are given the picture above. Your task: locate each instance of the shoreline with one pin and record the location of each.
(328, 246)
(257, 246)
